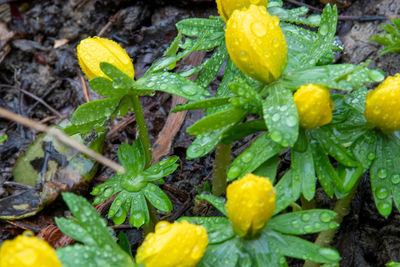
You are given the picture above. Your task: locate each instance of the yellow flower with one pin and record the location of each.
(314, 105)
(226, 7)
(256, 44)
(92, 51)
(250, 204)
(179, 244)
(27, 250)
(382, 107)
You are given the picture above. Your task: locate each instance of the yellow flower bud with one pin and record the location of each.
(314, 106)
(382, 107)
(226, 7)
(256, 44)
(250, 204)
(179, 244)
(92, 51)
(26, 250)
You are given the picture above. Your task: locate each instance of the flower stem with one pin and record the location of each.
(222, 160)
(143, 133)
(342, 208)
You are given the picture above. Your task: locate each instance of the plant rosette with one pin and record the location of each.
(136, 186)
(251, 237)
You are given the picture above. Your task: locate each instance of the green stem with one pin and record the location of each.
(222, 160)
(342, 208)
(143, 133)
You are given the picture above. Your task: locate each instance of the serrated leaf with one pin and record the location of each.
(331, 144)
(217, 202)
(219, 229)
(262, 149)
(203, 104)
(171, 83)
(139, 213)
(157, 198)
(303, 222)
(96, 110)
(280, 115)
(216, 121)
(212, 66)
(296, 247)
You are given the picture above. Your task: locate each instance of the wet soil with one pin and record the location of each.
(38, 41)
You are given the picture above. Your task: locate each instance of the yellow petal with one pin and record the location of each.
(92, 51)
(179, 244)
(256, 44)
(314, 106)
(226, 7)
(27, 251)
(250, 204)
(382, 107)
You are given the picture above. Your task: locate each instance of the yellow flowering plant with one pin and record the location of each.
(253, 234)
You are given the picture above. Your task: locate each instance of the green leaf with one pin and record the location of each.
(196, 27)
(95, 110)
(303, 222)
(105, 87)
(247, 98)
(262, 149)
(132, 157)
(262, 253)
(171, 83)
(327, 175)
(202, 104)
(139, 210)
(217, 202)
(160, 170)
(85, 128)
(268, 169)
(157, 198)
(212, 66)
(216, 121)
(295, 15)
(219, 229)
(349, 177)
(332, 146)
(123, 242)
(284, 192)
(325, 37)
(296, 247)
(87, 225)
(303, 172)
(391, 41)
(225, 254)
(274, 3)
(120, 80)
(174, 47)
(382, 172)
(280, 115)
(242, 130)
(364, 149)
(204, 143)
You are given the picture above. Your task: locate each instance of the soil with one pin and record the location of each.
(38, 41)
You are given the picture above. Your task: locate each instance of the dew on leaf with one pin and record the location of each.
(382, 173)
(382, 193)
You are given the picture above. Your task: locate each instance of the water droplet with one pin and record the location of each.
(384, 207)
(396, 179)
(382, 193)
(276, 136)
(332, 225)
(234, 172)
(317, 226)
(325, 217)
(323, 30)
(295, 224)
(382, 173)
(108, 193)
(247, 157)
(189, 90)
(291, 121)
(371, 156)
(275, 117)
(258, 29)
(305, 217)
(330, 254)
(243, 56)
